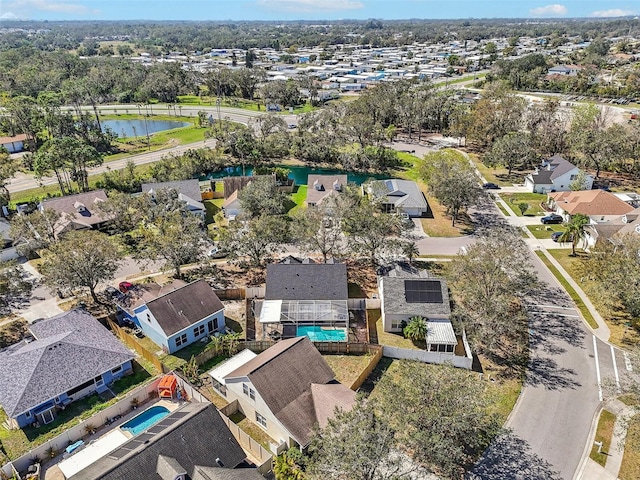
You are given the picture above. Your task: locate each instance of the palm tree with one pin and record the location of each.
(574, 231)
(416, 329)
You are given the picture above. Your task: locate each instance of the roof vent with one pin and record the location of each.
(337, 186)
(219, 462)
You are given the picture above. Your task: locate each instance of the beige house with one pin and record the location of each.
(286, 390)
(598, 205)
(320, 187)
(78, 212)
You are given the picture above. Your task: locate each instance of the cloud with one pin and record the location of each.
(9, 16)
(555, 10)
(613, 12)
(49, 6)
(309, 6)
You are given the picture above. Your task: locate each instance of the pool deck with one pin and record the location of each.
(100, 443)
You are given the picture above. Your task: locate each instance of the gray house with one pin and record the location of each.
(405, 293)
(70, 356)
(399, 196)
(188, 192)
(555, 175)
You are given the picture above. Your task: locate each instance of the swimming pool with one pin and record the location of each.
(146, 419)
(323, 334)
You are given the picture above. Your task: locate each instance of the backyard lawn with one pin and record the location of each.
(498, 175)
(298, 197)
(347, 367)
(253, 430)
(532, 199)
(387, 338)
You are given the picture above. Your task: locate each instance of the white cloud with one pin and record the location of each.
(48, 6)
(555, 10)
(309, 6)
(613, 12)
(8, 16)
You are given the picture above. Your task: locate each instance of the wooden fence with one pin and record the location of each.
(137, 346)
(240, 293)
(257, 451)
(377, 351)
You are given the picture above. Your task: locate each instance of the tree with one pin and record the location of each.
(262, 197)
(369, 233)
(574, 231)
(489, 283)
(317, 229)
(547, 124)
(358, 445)
(416, 329)
(8, 168)
(15, 286)
(615, 265)
(439, 415)
(256, 239)
(523, 207)
(581, 181)
(511, 151)
(174, 236)
(35, 231)
(451, 180)
(81, 259)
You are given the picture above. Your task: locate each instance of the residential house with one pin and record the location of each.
(303, 297)
(8, 250)
(626, 224)
(191, 443)
(399, 196)
(600, 206)
(406, 292)
(188, 192)
(287, 390)
(319, 187)
(555, 175)
(174, 315)
(69, 356)
(79, 211)
(13, 144)
(565, 70)
(232, 185)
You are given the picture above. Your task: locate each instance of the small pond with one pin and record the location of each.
(140, 128)
(299, 174)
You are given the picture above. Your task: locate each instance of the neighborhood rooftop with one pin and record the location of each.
(416, 296)
(313, 281)
(70, 348)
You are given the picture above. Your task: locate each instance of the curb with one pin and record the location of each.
(587, 448)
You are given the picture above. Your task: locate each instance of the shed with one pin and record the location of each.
(168, 387)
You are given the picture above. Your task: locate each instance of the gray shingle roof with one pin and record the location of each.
(70, 349)
(185, 306)
(313, 281)
(552, 168)
(71, 207)
(285, 374)
(395, 302)
(327, 186)
(401, 193)
(195, 439)
(190, 188)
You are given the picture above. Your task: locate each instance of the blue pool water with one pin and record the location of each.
(317, 334)
(140, 128)
(146, 419)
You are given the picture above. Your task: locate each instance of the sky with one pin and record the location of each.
(309, 9)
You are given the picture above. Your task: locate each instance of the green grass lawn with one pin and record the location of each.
(503, 210)
(388, 338)
(347, 367)
(570, 290)
(544, 231)
(298, 197)
(497, 175)
(604, 433)
(18, 442)
(253, 430)
(408, 160)
(630, 468)
(532, 199)
(212, 207)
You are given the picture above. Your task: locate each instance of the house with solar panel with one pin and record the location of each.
(406, 292)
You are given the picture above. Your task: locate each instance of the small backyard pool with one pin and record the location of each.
(317, 333)
(146, 419)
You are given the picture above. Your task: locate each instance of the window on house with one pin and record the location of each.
(248, 391)
(181, 340)
(27, 414)
(395, 323)
(261, 420)
(573, 177)
(148, 317)
(197, 331)
(56, 400)
(118, 369)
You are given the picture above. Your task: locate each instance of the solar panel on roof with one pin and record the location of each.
(422, 291)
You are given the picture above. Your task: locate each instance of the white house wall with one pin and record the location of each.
(249, 408)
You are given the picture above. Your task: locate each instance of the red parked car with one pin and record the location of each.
(125, 286)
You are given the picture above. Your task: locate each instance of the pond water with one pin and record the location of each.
(139, 128)
(299, 174)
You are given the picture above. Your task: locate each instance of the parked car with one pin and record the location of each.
(553, 218)
(491, 186)
(125, 286)
(216, 252)
(555, 236)
(292, 126)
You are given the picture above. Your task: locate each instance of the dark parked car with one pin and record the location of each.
(555, 236)
(491, 186)
(553, 218)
